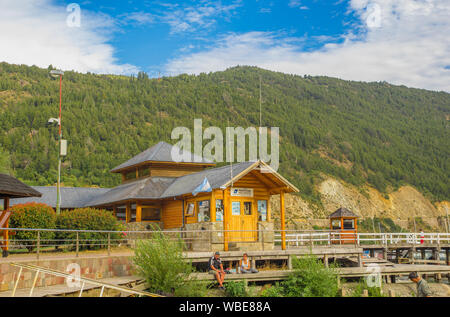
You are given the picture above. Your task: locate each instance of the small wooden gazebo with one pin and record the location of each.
(345, 224)
(11, 187)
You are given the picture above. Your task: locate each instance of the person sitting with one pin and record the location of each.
(246, 266)
(216, 268)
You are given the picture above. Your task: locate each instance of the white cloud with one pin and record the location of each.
(36, 33)
(192, 18)
(410, 45)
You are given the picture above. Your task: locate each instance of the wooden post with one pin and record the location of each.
(365, 293)
(289, 262)
(5, 232)
(77, 248)
(282, 219)
(447, 256)
(385, 253)
(412, 251)
(438, 277)
(391, 293)
(109, 243)
(128, 213)
(38, 246)
(325, 260)
(436, 255)
(138, 212)
(212, 206)
(226, 215)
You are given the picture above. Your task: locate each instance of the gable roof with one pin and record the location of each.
(161, 152)
(71, 197)
(147, 188)
(342, 212)
(168, 187)
(12, 187)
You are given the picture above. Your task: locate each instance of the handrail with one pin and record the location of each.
(40, 269)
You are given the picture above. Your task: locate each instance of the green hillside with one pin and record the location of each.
(359, 132)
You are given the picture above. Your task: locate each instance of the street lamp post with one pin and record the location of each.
(59, 73)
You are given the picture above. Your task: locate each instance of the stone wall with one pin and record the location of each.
(212, 239)
(91, 267)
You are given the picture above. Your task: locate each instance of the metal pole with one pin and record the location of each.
(17, 282)
(58, 193)
(34, 283)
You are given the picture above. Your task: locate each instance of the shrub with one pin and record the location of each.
(35, 216)
(371, 291)
(311, 279)
(273, 291)
(87, 219)
(236, 289)
(161, 263)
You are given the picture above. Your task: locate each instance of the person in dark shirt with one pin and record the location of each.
(216, 268)
(423, 290)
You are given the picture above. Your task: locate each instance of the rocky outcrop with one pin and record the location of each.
(400, 205)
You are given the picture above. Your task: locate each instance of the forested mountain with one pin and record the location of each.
(361, 133)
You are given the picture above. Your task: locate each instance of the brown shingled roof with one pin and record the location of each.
(342, 212)
(13, 188)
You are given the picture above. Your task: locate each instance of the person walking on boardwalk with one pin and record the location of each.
(246, 266)
(423, 290)
(216, 268)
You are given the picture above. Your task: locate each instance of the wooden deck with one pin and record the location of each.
(395, 270)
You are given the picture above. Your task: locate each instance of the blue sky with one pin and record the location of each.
(403, 42)
(149, 39)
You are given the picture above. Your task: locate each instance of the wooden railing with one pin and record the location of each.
(342, 237)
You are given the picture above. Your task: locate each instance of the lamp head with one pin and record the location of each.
(56, 73)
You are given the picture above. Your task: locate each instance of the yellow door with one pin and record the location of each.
(243, 220)
(248, 221)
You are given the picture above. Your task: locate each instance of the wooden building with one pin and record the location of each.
(195, 195)
(11, 187)
(345, 224)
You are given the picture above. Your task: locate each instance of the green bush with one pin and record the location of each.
(311, 279)
(236, 289)
(88, 219)
(161, 263)
(372, 291)
(34, 216)
(273, 291)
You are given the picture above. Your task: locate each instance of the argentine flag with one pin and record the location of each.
(204, 187)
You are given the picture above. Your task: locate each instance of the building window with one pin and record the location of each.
(247, 208)
(151, 214)
(349, 224)
(121, 213)
(203, 214)
(144, 172)
(190, 209)
(336, 223)
(219, 210)
(130, 175)
(236, 208)
(262, 210)
(133, 213)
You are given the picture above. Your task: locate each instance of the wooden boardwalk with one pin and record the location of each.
(385, 271)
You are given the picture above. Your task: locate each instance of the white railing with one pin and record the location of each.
(342, 237)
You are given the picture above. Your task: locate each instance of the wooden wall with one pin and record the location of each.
(172, 214)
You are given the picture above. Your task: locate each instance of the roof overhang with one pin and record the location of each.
(266, 175)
